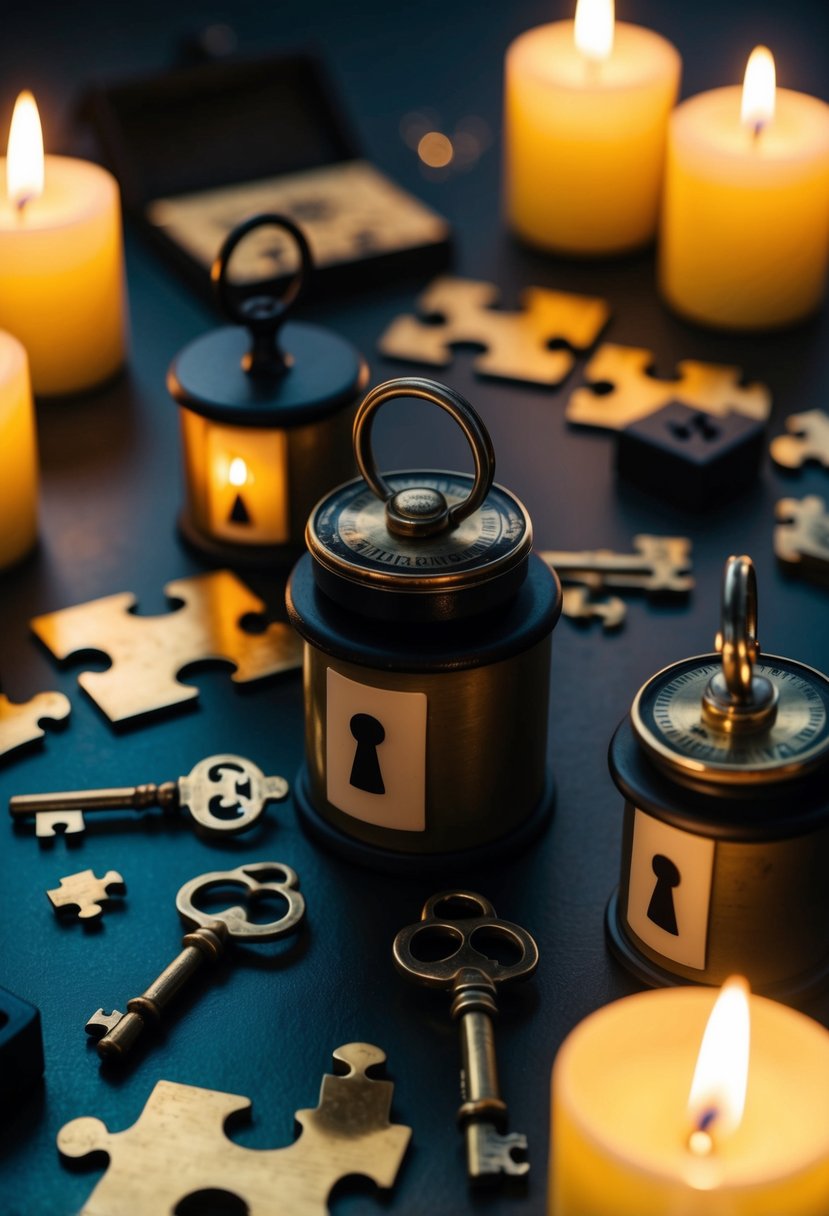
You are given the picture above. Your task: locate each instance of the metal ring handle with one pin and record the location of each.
(477, 436)
(737, 639)
(261, 314)
(235, 918)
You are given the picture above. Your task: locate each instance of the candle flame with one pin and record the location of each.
(757, 108)
(237, 474)
(594, 27)
(24, 162)
(718, 1090)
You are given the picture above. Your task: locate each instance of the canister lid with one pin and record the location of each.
(734, 717)
(420, 544)
(262, 371)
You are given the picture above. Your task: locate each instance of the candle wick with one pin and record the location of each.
(21, 202)
(700, 1141)
(759, 126)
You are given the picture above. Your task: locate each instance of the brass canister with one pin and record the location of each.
(723, 764)
(427, 623)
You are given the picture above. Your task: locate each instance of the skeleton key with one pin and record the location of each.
(224, 794)
(117, 1032)
(661, 564)
(450, 925)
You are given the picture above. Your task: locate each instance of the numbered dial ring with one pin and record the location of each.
(361, 563)
(668, 721)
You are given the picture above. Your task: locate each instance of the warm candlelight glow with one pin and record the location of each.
(594, 27)
(718, 1090)
(237, 474)
(24, 163)
(757, 109)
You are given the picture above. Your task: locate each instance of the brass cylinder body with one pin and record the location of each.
(485, 748)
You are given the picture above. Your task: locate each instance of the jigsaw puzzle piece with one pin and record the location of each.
(20, 721)
(177, 1151)
(516, 344)
(86, 893)
(801, 540)
(808, 440)
(148, 653)
(620, 390)
(176, 1148)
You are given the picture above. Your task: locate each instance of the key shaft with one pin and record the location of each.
(128, 797)
(205, 944)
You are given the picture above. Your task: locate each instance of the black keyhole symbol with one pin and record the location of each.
(365, 771)
(661, 908)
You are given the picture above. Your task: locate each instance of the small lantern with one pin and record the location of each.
(427, 622)
(723, 763)
(266, 414)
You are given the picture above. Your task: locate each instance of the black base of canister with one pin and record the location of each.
(654, 976)
(238, 557)
(417, 864)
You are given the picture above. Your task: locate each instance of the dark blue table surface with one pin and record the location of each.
(110, 493)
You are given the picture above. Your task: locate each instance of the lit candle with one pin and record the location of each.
(61, 261)
(18, 454)
(745, 227)
(752, 1139)
(586, 111)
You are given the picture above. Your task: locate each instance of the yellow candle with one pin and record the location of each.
(61, 262)
(584, 130)
(18, 454)
(627, 1141)
(745, 227)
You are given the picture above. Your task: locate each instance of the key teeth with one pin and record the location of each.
(493, 1156)
(102, 1023)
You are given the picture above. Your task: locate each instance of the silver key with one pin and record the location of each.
(224, 794)
(449, 925)
(118, 1032)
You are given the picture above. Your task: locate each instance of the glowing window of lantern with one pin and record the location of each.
(594, 28)
(759, 89)
(24, 160)
(718, 1089)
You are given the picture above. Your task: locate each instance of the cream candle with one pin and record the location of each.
(745, 226)
(18, 454)
(61, 261)
(628, 1140)
(586, 109)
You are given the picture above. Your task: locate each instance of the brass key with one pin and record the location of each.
(117, 1032)
(224, 794)
(449, 925)
(661, 564)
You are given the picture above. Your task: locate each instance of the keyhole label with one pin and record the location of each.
(375, 753)
(661, 908)
(669, 893)
(365, 771)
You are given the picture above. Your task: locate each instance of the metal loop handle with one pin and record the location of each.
(235, 918)
(262, 315)
(737, 639)
(436, 517)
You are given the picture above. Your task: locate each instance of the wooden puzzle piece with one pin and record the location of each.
(578, 604)
(517, 344)
(86, 893)
(177, 1151)
(20, 721)
(801, 540)
(619, 389)
(149, 652)
(808, 440)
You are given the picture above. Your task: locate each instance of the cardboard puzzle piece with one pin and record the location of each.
(86, 893)
(516, 343)
(801, 539)
(808, 440)
(148, 652)
(177, 1150)
(20, 722)
(579, 604)
(619, 389)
